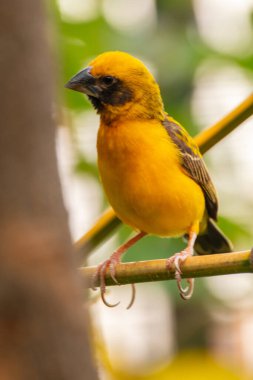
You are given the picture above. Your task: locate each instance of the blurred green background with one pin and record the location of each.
(201, 53)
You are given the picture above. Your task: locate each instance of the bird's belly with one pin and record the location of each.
(157, 199)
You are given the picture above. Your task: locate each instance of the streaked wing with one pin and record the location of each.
(193, 164)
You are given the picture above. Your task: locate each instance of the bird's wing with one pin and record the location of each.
(192, 163)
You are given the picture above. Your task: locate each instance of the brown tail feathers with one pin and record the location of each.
(212, 241)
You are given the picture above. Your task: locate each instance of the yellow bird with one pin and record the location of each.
(151, 169)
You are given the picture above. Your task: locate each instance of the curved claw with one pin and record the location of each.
(107, 303)
(113, 272)
(177, 259)
(113, 276)
(187, 292)
(133, 297)
(101, 271)
(178, 278)
(117, 303)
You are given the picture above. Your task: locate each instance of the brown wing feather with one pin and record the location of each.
(193, 164)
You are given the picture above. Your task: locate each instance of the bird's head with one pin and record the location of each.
(119, 86)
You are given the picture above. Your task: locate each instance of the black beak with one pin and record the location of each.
(84, 82)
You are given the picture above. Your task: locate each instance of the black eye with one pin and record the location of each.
(108, 80)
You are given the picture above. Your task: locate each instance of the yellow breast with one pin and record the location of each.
(143, 180)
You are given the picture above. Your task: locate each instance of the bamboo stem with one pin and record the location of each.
(106, 223)
(206, 139)
(211, 136)
(155, 270)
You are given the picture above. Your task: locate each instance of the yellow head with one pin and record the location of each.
(119, 86)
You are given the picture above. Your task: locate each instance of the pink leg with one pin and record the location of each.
(111, 263)
(179, 258)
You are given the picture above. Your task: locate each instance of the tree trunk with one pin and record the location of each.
(42, 323)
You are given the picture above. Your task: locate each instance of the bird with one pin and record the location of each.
(152, 171)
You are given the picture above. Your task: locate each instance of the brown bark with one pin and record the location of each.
(42, 324)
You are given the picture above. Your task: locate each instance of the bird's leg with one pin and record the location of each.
(111, 263)
(179, 258)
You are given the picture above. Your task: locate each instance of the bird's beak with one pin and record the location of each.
(84, 82)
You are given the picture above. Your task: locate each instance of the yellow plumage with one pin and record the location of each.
(151, 169)
(148, 190)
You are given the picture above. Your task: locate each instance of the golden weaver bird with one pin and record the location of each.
(151, 169)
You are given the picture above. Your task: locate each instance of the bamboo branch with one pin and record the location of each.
(155, 270)
(106, 223)
(211, 136)
(206, 139)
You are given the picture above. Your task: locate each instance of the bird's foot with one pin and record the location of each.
(100, 274)
(177, 260)
(111, 264)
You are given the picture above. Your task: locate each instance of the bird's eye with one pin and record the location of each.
(108, 80)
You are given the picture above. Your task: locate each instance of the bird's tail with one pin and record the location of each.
(212, 240)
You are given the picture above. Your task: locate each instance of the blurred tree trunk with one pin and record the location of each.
(42, 323)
